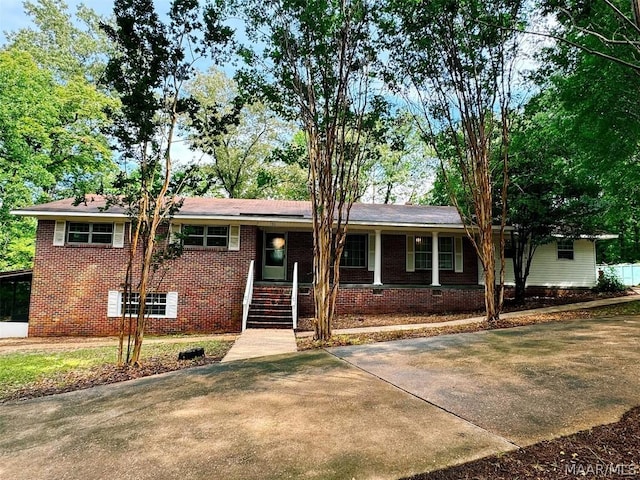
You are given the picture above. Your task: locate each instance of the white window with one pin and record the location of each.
(206, 236)
(445, 253)
(355, 251)
(423, 253)
(565, 249)
(158, 305)
(90, 233)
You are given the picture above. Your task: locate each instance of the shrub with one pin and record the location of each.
(608, 281)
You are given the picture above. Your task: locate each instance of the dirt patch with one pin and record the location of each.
(606, 451)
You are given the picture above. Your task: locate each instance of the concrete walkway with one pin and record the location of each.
(466, 321)
(261, 342)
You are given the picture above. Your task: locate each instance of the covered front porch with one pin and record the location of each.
(382, 272)
(378, 258)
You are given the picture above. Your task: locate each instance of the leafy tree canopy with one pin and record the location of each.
(50, 144)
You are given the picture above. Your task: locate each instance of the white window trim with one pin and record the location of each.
(428, 253)
(233, 236)
(412, 253)
(205, 235)
(366, 251)
(572, 250)
(61, 232)
(114, 305)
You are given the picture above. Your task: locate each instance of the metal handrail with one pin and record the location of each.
(248, 296)
(294, 296)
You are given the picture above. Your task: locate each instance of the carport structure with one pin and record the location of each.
(15, 291)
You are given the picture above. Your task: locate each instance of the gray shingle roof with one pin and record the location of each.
(286, 210)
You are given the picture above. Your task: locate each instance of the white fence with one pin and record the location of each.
(628, 273)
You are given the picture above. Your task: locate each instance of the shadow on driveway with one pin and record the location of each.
(437, 402)
(306, 415)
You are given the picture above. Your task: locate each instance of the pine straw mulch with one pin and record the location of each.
(307, 343)
(357, 321)
(607, 451)
(105, 374)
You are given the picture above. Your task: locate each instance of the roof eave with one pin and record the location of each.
(257, 220)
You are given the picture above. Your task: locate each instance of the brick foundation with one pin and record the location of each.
(366, 299)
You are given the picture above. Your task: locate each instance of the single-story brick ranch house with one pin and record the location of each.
(397, 258)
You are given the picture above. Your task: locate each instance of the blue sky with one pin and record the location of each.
(12, 16)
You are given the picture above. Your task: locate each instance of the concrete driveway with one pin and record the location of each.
(438, 402)
(524, 384)
(305, 415)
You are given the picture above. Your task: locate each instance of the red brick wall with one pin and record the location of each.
(394, 248)
(71, 284)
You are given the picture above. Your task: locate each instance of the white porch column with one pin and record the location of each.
(435, 260)
(377, 269)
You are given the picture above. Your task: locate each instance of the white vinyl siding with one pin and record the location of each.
(549, 271)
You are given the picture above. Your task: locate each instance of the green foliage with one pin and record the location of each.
(608, 281)
(598, 96)
(49, 145)
(311, 63)
(400, 164)
(242, 158)
(69, 46)
(152, 62)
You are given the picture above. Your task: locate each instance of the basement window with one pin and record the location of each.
(158, 305)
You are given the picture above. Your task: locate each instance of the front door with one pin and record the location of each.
(275, 256)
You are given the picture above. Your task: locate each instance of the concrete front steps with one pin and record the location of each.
(270, 307)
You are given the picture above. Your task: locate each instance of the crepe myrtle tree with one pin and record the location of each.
(311, 61)
(151, 62)
(453, 61)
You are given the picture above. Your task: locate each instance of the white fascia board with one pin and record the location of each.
(63, 215)
(272, 221)
(601, 236)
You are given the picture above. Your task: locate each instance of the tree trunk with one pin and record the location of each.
(322, 283)
(488, 262)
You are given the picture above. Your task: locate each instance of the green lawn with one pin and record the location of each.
(18, 370)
